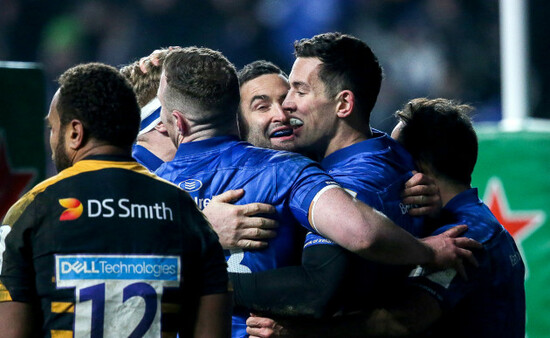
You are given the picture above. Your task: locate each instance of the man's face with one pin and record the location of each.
(166, 115)
(262, 119)
(313, 114)
(60, 157)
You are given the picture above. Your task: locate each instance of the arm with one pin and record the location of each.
(238, 226)
(307, 290)
(214, 316)
(369, 233)
(416, 313)
(16, 320)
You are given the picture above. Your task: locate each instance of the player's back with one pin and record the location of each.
(285, 180)
(282, 179)
(116, 252)
(491, 303)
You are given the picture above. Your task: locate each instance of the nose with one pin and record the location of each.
(279, 114)
(288, 104)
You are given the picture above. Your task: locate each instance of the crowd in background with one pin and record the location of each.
(433, 48)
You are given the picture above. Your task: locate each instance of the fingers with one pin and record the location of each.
(420, 195)
(259, 222)
(250, 244)
(467, 243)
(258, 208)
(143, 64)
(455, 231)
(468, 256)
(418, 178)
(257, 233)
(259, 326)
(229, 196)
(459, 267)
(418, 190)
(421, 211)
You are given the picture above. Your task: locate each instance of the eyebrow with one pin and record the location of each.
(300, 84)
(258, 97)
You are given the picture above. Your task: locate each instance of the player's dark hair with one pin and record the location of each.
(206, 81)
(439, 133)
(103, 100)
(348, 64)
(258, 68)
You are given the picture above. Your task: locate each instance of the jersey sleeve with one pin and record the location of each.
(309, 182)
(308, 290)
(16, 271)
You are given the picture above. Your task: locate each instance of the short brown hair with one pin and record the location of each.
(204, 81)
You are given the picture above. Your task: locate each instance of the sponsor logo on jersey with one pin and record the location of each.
(109, 207)
(123, 208)
(74, 209)
(117, 267)
(190, 185)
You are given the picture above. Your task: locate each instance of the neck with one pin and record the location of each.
(98, 149)
(160, 145)
(345, 137)
(448, 190)
(206, 131)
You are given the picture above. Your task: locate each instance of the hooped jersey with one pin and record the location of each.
(287, 181)
(491, 303)
(107, 249)
(146, 158)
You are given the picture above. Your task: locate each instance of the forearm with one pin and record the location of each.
(365, 231)
(307, 290)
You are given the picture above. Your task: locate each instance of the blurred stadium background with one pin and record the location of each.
(431, 48)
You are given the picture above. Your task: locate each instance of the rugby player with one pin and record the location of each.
(237, 226)
(106, 248)
(336, 79)
(153, 146)
(437, 303)
(199, 95)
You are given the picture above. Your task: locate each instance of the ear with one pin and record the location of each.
(181, 123)
(161, 128)
(345, 102)
(74, 134)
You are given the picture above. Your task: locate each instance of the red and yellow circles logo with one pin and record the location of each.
(74, 209)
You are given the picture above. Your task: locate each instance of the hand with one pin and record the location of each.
(234, 224)
(261, 327)
(450, 250)
(155, 59)
(422, 193)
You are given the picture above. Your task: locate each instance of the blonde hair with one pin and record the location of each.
(145, 85)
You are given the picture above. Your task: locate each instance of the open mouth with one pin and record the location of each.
(282, 132)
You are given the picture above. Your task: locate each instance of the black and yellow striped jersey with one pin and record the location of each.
(105, 248)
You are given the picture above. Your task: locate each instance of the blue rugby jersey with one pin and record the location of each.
(492, 302)
(374, 171)
(146, 158)
(287, 181)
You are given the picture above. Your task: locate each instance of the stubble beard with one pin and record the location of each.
(61, 159)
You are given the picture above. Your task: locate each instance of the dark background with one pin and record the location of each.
(432, 48)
